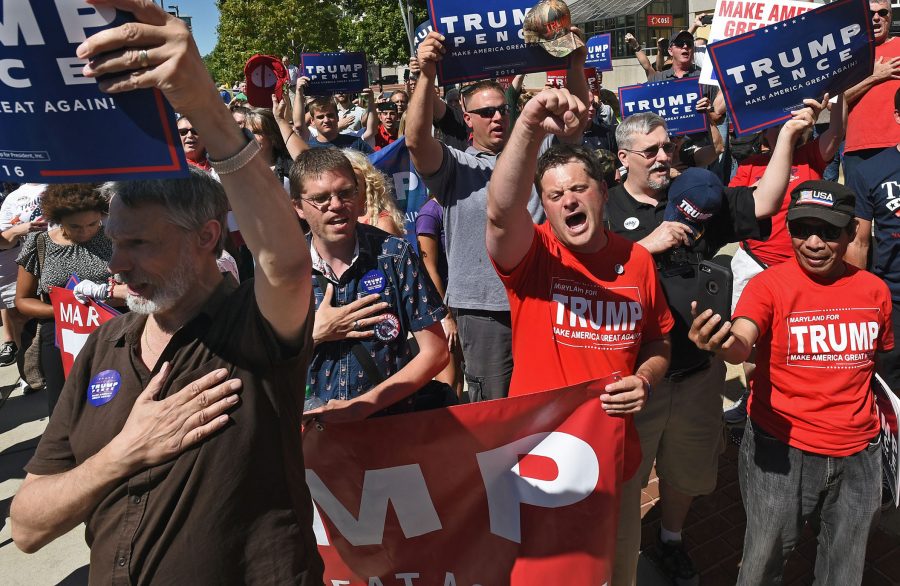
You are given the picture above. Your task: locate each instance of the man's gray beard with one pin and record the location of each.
(661, 184)
(167, 295)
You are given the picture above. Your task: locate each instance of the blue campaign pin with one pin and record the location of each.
(103, 387)
(373, 282)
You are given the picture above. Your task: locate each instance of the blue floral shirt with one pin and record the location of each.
(388, 266)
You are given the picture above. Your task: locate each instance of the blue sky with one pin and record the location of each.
(206, 17)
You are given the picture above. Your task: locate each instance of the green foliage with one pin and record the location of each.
(376, 27)
(290, 27)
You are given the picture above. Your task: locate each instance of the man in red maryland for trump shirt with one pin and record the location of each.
(812, 444)
(586, 304)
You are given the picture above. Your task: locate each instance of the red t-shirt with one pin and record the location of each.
(383, 138)
(871, 122)
(807, 165)
(576, 318)
(815, 356)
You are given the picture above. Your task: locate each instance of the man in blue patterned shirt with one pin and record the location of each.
(369, 293)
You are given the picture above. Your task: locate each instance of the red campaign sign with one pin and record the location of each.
(520, 491)
(505, 81)
(557, 77)
(75, 322)
(659, 20)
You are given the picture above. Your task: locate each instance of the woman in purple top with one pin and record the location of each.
(432, 250)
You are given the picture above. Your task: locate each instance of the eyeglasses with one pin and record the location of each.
(322, 199)
(489, 111)
(883, 13)
(653, 152)
(184, 131)
(803, 231)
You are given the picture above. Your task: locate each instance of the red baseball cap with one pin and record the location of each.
(265, 76)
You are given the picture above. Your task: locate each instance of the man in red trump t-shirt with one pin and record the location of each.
(812, 443)
(586, 304)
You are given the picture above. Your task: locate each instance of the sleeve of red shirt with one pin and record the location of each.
(514, 277)
(755, 304)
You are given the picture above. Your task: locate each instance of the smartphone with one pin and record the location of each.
(664, 45)
(706, 19)
(714, 286)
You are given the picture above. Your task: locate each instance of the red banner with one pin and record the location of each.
(520, 491)
(75, 322)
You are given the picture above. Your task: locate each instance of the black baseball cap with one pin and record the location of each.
(386, 106)
(823, 200)
(677, 35)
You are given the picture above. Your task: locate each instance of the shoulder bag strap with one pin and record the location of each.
(41, 245)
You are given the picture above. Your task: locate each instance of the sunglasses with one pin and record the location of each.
(653, 152)
(683, 43)
(184, 131)
(803, 231)
(322, 199)
(489, 111)
(883, 13)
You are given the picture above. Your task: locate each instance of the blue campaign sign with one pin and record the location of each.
(58, 127)
(673, 100)
(484, 40)
(421, 32)
(409, 189)
(599, 56)
(766, 73)
(334, 73)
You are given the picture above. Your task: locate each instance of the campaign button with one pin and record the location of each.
(388, 329)
(103, 387)
(373, 282)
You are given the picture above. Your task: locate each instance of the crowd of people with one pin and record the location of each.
(560, 243)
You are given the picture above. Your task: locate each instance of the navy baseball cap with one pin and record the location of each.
(694, 197)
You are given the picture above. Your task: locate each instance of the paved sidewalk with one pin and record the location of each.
(22, 421)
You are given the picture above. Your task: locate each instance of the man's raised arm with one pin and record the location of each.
(425, 150)
(510, 228)
(268, 222)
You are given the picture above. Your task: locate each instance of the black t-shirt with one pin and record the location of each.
(343, 141)
(735, 221)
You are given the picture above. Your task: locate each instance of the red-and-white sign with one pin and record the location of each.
(75, 322)
(557, 77)
(520, 491)
(889, 413)
(659, 20)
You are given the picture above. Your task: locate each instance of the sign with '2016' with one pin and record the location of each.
(49, 111)
(766, 73)
(673, 100)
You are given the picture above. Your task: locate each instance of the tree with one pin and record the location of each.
(376, 27)
(270, 27)
(290, 27)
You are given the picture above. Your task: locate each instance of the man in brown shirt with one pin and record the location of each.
(178, 480)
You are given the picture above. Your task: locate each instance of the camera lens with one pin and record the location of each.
(712, 287)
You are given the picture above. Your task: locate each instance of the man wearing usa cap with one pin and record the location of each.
(812, 443)
(681, 427)
(369, 292)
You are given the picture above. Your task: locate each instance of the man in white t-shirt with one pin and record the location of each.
(15, 223)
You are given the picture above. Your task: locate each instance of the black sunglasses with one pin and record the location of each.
(652, 152)
(489, 111)
(803, 231)
(184, 131)
(683, 43)
(883, 13)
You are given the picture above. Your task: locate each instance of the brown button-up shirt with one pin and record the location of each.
(234, 509)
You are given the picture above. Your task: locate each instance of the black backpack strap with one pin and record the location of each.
(41, 245)
(359, 351)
